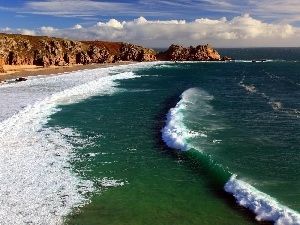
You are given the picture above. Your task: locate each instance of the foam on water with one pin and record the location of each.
(264, 206)
(176, 135)
(16, 96)
(37, 184)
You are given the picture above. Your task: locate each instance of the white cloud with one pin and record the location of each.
(6, 29)
(240, 31)
(111, 23)
(18, 31)
(77, 26)
(275, 10)
(27, 32)
(209, 21)
(46, 30)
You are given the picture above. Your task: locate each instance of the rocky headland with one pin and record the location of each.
(18, 50)
(180, 53)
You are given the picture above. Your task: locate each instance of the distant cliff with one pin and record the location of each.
(16, 49)
(179, 53)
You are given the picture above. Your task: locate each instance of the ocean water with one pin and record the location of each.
(155, 143)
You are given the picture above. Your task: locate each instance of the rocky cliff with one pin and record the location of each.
(46, 51)
(16, 49)
(199, 53)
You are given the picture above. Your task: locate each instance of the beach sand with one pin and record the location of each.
(14, 72)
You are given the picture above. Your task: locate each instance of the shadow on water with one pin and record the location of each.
(215, 186)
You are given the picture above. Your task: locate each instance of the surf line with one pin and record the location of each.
(176, 135)
(38, 185)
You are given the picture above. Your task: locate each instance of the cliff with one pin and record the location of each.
(16, 49)
(199, 53)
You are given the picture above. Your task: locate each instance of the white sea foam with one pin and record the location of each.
(16, 96)
(175, 134)
(110, 182)
(264, 206)
(37, 185)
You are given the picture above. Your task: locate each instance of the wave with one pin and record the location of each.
(275, 104)
(37, 184)
(176, 135)
(264, 206)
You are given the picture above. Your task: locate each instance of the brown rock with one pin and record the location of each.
(2, 61)
(83, 58)
(226, 58)
(45, 61)
(69, 58)
(179, 53)
(2, 70)
(16, 49)
(131, 52)
(98, 55)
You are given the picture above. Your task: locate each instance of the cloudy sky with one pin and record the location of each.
(154, 23)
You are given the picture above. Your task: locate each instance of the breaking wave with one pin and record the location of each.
(176, 135)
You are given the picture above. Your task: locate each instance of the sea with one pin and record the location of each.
(166, 143)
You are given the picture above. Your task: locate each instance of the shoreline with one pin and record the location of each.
(15, 72)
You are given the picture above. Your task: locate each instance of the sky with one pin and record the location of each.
(154, 23)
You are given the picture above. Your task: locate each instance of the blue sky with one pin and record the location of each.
(221, 23)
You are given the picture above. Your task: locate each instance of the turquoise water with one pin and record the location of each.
(243, 119)
(185, 143)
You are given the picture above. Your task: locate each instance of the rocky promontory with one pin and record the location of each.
(180, 53)
(16, 49)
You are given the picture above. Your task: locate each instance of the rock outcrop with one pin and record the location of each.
(200, 53)
(226, 58)
(130, 52)
(16, 49)
(2, 70)
(19, 79)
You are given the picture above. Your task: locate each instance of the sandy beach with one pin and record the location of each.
(14, 72)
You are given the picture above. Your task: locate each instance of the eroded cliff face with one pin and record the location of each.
(199, 53)
(46, 51)
(16, 49)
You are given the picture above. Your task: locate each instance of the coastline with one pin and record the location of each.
(131, 108)
(36, 164)
(14, 72)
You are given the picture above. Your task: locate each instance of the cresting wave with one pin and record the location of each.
(176, 135)
(264, 206)
(37, 185)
